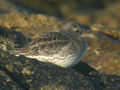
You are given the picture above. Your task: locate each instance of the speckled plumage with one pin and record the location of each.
(63, 48)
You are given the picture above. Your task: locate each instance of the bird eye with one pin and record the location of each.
(74, 25)
(75, 28)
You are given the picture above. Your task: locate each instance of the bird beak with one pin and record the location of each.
(88, 35)
(84, 34)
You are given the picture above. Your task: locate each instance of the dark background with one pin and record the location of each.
(63, 7)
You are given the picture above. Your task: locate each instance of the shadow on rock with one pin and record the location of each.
(99, 80)
(35, 75)
(27, 73)
(84, 68)
(17, 37)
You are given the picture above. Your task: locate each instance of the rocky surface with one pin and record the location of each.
(35, 75)
(7, 83)
(99, 69)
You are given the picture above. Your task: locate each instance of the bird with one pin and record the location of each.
(64, 47)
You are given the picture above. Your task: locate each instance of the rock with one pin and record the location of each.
(34, 75)
(8, 83)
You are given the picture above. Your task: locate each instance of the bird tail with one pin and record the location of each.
(17, 52)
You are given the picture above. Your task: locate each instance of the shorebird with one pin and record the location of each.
(65, 47)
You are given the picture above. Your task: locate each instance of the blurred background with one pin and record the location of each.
(64, 7)
(84, 11)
